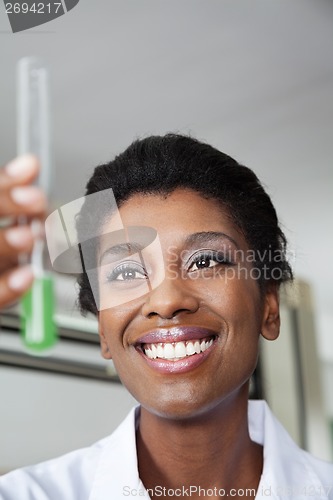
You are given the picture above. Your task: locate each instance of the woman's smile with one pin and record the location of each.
(177, 349)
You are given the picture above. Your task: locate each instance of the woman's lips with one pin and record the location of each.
(175, 334)
(176, 349)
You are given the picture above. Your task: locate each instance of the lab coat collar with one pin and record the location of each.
(117, 472)
(287, 471)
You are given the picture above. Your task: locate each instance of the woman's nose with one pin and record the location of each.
(170, 298)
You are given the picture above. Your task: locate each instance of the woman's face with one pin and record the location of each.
(190, 341)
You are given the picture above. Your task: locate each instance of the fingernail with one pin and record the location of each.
(20, 279)
(26, 195)
(18, 236)
(22, 166)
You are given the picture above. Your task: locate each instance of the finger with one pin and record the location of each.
(14, 241)
(21, 171)
(13, 284)
(22, 200)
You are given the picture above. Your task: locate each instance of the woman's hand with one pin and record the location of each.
(17, 198)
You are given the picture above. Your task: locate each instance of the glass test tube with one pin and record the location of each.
(33, 136)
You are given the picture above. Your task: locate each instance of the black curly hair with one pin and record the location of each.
(161, 164)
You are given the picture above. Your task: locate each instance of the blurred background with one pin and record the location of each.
(254, 79)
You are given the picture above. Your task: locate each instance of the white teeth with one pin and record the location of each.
(160, 351)
(154, 351)
(176, 350)
(180, 350)
(169, 351)
(148, 353)
(190, 349)
(197, 346)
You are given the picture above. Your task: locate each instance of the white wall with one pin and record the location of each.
(45, 415)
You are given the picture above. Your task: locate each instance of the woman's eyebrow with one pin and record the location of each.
(200, 238)
(122, 250)
(208, 236)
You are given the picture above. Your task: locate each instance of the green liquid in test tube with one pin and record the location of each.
(33, 136)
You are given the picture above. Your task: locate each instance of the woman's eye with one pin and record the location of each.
(207, 261)
(127, 272)
(202, 263)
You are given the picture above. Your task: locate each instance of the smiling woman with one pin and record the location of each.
(198, 302)
(183, 292)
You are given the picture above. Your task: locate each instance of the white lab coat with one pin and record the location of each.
(108, 469)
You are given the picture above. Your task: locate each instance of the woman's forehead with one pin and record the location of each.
(183, 204)
(181, 216)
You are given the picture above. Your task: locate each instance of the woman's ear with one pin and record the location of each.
(104, 346)
(270, 327)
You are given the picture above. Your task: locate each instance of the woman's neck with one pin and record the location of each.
(210, 451)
